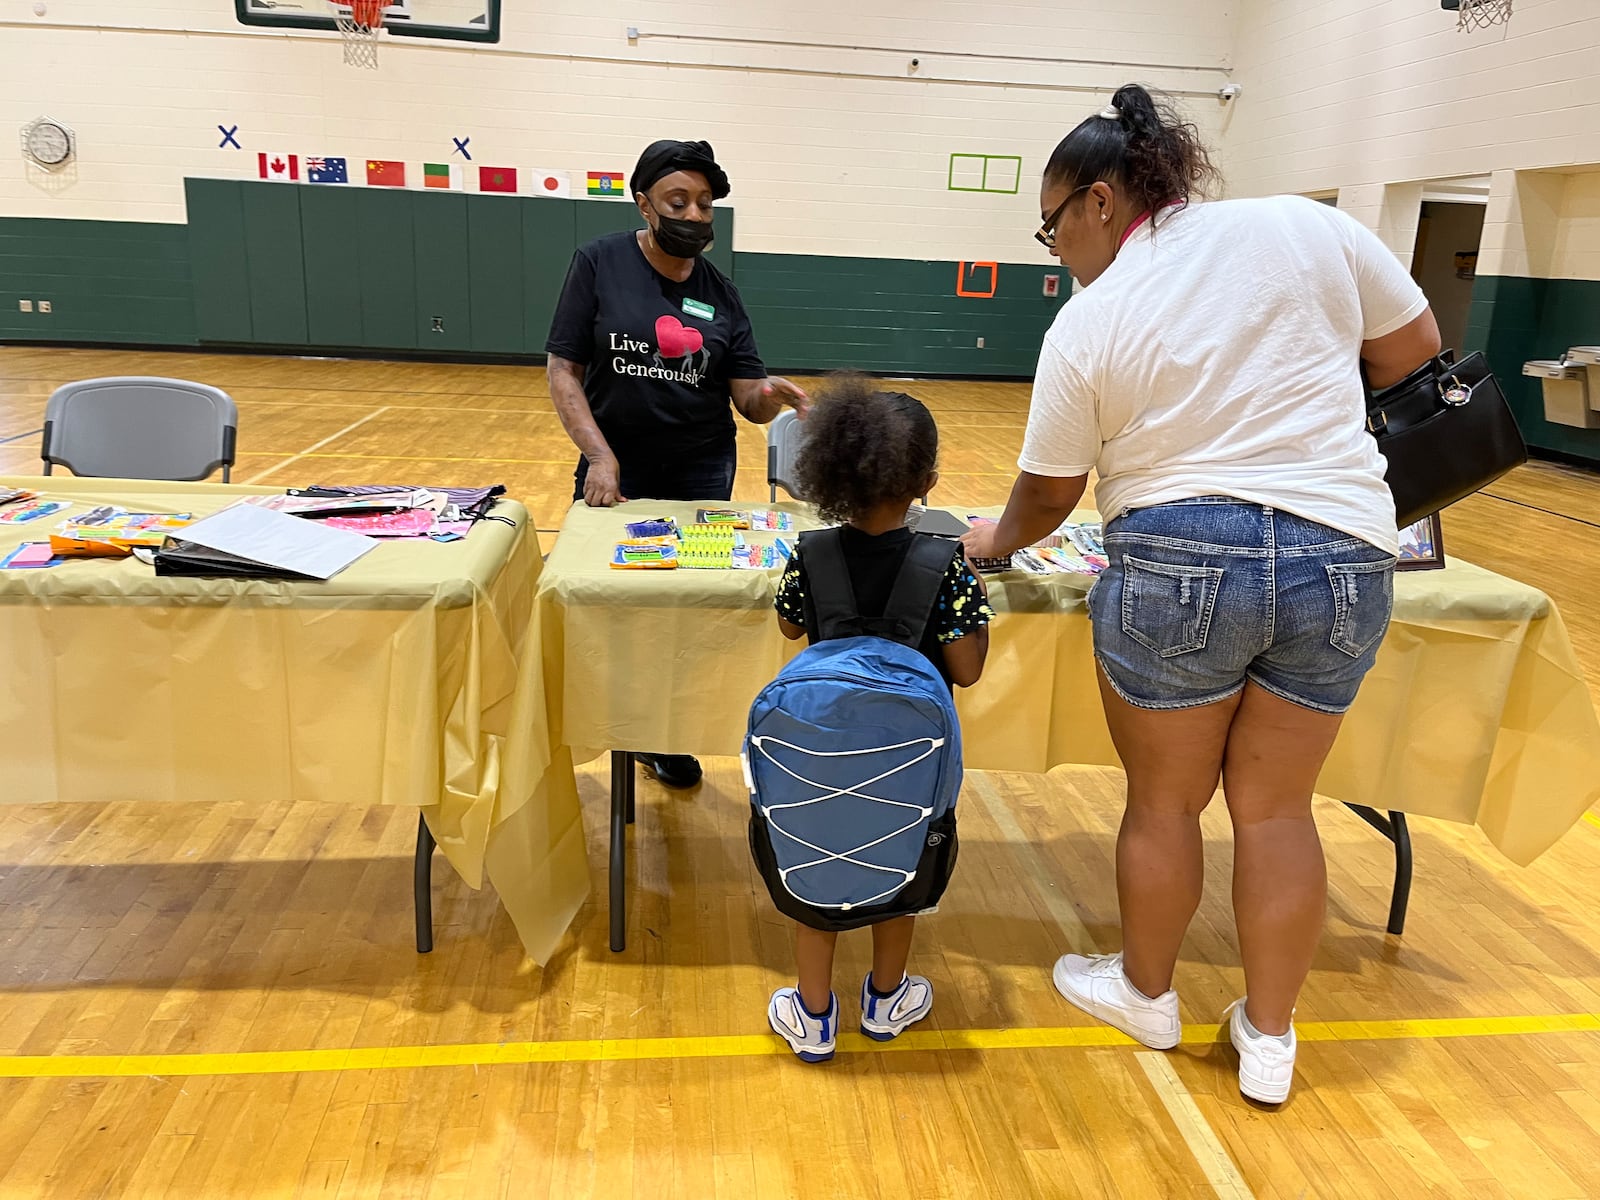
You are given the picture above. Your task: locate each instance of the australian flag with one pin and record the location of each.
(326, 170)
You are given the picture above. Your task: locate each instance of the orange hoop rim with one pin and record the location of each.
(367, 13)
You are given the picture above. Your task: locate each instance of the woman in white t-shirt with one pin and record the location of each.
(1211, 374)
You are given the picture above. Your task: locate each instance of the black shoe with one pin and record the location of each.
(672, 770)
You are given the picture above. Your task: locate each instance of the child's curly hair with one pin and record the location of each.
(864, 447)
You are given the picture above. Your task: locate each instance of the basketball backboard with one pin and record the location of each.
(455, 20)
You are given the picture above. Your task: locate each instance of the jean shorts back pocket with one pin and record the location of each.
(1363, 599)
(1167, 609)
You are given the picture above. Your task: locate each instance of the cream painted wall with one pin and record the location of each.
(1343, 93)
(832, 150)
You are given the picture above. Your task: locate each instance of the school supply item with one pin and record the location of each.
(30, 556)
(708, 547)
(254, 542)
(634, 556)
(1446, 431)
(110, 532)
(319, 507)
(32, 510)
(658, 527)
(771, 520)
(16, 496)
(730, 518)
(988, 566)
(471, 504)
(853, 753)
(411, 522)
(935, 521)
(753, 556)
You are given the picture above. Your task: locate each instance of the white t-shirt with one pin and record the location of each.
(1219, 355)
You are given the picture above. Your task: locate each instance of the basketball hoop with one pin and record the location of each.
(1481, 14)
(359, 22)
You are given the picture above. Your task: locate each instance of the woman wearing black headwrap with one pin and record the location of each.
(651, 343)
(649, 347)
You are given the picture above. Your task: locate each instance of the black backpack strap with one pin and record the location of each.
(911, 598)
(916, 588)
(833, 596)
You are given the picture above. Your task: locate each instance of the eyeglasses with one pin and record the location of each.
(1047, 232)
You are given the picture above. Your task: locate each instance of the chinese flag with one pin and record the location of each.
(385, 173)
(497, 179)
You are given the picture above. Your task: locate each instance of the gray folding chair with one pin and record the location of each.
(140, 427)
(785, 436)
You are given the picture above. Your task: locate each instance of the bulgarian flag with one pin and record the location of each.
(605, 183)
(441, 175)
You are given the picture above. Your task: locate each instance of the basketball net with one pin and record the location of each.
(1480, 14)
(359, 22)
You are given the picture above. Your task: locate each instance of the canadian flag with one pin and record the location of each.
(282, 167)
(552, 183)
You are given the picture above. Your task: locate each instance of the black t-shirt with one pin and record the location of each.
(659, 353)
(874, 562)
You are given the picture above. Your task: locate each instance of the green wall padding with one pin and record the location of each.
(107, 281)
(894, 315)
(1513, 320)
(331, 268)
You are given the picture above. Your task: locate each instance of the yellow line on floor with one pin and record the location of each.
(484, 1054)
(1592, 819)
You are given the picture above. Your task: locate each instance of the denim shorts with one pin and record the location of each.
(1203, 595)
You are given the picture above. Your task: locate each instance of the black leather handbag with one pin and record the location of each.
(1446, 431)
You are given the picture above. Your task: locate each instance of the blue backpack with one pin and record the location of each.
(853, 754)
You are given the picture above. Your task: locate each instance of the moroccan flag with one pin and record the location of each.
(441, 175)
(282, 167)
(605, 183)
(497, 179)
(385, 173)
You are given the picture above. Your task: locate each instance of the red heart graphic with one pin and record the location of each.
(674, 340)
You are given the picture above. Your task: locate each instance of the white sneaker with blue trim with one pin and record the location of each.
(886, 1017)
(811, 1038)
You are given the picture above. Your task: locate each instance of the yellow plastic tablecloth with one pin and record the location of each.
(1477, 710)
(410, 678)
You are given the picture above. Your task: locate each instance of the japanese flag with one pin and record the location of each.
(283, 167)
(552, 183)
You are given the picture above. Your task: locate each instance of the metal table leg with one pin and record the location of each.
(621, 817)
(1395, 829)
(422, 885)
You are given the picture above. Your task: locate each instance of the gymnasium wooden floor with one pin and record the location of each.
(1460, 1060)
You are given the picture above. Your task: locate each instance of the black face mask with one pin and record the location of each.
(683, 239)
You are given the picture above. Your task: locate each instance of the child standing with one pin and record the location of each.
(868, 455)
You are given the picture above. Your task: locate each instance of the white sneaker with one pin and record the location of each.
(1098, 985)
(1266, 1061)
(885, 1017)
(811, 1038)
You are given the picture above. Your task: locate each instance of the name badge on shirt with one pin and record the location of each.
(696, 309)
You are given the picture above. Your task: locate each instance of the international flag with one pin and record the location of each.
(326, 170)
(382, 172)
(605, 183)
(497, 179)
(552, 183)
(284, 168)
(441, 175)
